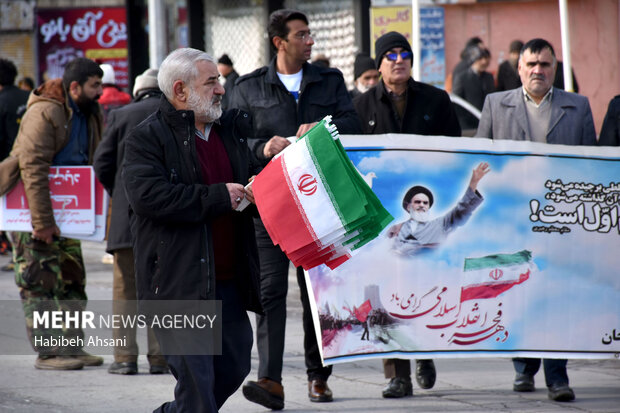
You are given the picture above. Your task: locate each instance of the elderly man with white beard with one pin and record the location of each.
(420, 232)
(184, 173)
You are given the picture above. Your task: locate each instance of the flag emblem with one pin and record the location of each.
(506, 271)
(496, 274)
(307, 184)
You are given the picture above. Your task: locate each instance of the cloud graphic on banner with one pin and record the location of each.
(514, 175)
(400, 162)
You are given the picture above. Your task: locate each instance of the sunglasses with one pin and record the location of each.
(392, 57)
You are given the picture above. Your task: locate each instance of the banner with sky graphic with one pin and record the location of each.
(528, 264)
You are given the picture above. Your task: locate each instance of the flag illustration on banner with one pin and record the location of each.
(313, 202)
(488, 277)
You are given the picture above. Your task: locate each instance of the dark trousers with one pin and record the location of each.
(270, 329)
(396, 368)
(555, 369)
(124, 296)
(205, 382)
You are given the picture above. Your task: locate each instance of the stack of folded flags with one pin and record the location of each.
(314, 203)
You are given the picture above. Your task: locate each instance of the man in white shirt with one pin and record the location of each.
(287, 98)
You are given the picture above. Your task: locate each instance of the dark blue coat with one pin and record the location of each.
(610, 132)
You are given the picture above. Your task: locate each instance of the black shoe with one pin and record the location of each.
(125, 367)
(523, 383)
(398, 387)
(159, 369)
(561, 393)
(425, 373)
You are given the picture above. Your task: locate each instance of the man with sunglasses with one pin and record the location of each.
(287, 98)
(399, 104)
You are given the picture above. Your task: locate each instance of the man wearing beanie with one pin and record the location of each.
(365, 75)
(108, 164)
(287, 98)
(399, 104)
(229, 75)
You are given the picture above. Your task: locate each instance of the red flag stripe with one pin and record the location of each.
(276, 204)
(490, 290)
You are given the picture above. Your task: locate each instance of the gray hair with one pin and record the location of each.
(180, 65)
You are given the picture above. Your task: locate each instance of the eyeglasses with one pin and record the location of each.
(392, 57)
(303, 36)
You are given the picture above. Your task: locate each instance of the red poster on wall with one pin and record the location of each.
(98, 33)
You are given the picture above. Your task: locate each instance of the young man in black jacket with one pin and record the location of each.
(399, 104)
(184, 173)
(287, 98)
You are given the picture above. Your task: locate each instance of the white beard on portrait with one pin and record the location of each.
(419, 216)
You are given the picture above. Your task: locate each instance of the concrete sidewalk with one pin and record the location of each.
(463, 385)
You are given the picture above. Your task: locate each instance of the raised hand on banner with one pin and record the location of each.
(479, 171)
(46, 234)
(394, 230)
(236, 192)
(305, 128)
(275, 145)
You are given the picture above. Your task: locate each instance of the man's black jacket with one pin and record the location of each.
(428, 111)
(172, 209)
(109, 161)
(610, 132)
(275, 112)
(12, 107)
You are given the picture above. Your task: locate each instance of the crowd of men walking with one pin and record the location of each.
(176, 162)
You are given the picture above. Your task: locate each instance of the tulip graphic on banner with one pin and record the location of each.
(489, 276)
(314, 203)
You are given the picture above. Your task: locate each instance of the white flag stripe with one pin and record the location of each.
(318, 206)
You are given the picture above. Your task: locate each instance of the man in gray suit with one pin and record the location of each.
(541, 113)
(537, 111)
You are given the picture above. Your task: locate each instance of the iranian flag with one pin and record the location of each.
(488, 277)
(314, 203)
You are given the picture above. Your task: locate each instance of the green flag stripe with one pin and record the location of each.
(497, 260)
(347, 200)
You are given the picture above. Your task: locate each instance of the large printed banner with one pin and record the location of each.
(528, 265)
(96, 33)
(79, 201)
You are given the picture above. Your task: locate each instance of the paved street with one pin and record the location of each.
(463, 385)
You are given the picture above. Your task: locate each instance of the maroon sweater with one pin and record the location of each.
(215, 167)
